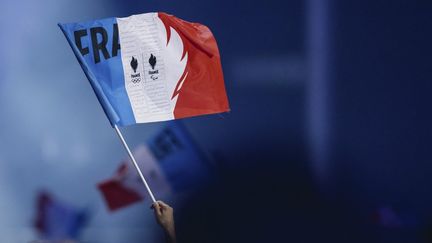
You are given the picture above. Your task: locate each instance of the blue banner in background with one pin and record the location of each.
(185, 166)
(56, 220)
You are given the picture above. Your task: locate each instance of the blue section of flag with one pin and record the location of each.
(183, 163)
(106, 76)
(56, 220)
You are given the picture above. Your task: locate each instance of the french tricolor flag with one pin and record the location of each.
(150, 67)
(125, 187)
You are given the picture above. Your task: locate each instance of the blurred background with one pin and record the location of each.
(328, 138)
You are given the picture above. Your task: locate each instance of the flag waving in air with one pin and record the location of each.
(125, 188)
(171, 160)
(150, 67)
(56, 220)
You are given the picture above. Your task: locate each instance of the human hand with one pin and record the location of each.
(164, 215)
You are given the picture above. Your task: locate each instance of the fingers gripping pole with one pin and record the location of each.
(134, 162)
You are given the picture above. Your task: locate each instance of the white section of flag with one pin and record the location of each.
(151, 171)
(150, 88)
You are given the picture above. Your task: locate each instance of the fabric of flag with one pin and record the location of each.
(116, 193)
(56, 220)
(150, 67)
(170, 161)
(126, 188)
(179, 157)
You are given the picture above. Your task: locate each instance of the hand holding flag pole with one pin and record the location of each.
(120, 135)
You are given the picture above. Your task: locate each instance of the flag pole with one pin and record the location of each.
(134, 162)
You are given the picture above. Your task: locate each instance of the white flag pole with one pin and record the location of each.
(134, 162)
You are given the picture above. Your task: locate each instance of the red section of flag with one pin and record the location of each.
(116, 192)
(43, 201)
(203, 89)
(116, 195)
